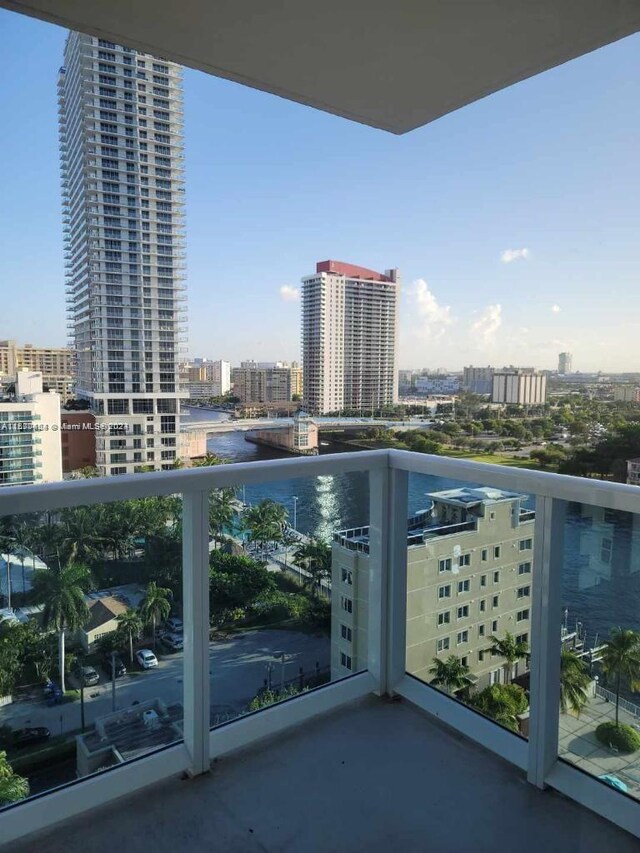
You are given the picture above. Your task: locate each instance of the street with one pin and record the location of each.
(238, 670)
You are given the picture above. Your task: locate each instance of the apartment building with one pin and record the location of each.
(279, 382)
(478, 380)
(349, 337)
(469, 572)
(522, 386)
(565, 363)
(121, 144)
(626, 394)
(437, 384)
(30, 445)
(54, 363)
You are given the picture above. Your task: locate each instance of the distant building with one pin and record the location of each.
(565, 363)
(277, 384)
(54, 363)
(478, 380)
(522, 386)
(633, 472)
(626, 393)
(78, 437)
(349, 337)
(204, 378)
(300, 437)
(437, 384)
(30, 444)
(469, 569)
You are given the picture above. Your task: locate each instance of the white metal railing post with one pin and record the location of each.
(545, 644)
(195, 584)
(388, 513)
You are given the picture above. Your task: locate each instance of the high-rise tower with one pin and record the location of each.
(121, 144)
(349, 338)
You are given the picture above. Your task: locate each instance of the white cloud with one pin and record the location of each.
(430, 319)
(555, 309)
(484, 329)
(510, 255)
(289, 293)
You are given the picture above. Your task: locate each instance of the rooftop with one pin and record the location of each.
(323, 786)
(471, 496)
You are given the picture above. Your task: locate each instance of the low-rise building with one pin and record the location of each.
(626, 393)
(469, 570)
(105, 606)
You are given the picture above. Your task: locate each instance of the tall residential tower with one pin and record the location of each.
(121, 143)
(349, 337)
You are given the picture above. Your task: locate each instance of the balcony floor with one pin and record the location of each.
(371, 776)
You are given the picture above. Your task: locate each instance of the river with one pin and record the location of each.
(600, 600)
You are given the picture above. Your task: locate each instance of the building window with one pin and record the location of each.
(496, 552)
(444, 591)
(483, 605)
(444, 618)
(485, 555)
(495, 600)
(463, 637)
(345, 660)
(464, 586)
(347, 604)
(606, 550)
(524, 569)
(483, 580)
(481, 630)
(524, 591)
(492, 516)
(463, 612)
(480, 656)
(522, 638)
(496, 577)
(464, 661)
(494, 626)
(345, 633)
(522, 615)
(443, 644)
(444, 565)
(526, 544)
(464, 560)
(347, 577)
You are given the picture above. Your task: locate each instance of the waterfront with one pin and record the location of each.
(598, 600)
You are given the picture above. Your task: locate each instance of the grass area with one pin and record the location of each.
(493, 459)
(56, 749)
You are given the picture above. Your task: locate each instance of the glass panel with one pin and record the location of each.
(97, 587)
(469, 584)
(287, 602)
(600, 675)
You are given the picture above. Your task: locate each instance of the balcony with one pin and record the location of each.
(382, 769)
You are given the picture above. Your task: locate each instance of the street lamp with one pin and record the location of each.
(295, 512)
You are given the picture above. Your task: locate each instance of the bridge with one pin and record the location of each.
(244, 425)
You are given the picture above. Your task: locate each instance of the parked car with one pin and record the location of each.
(118, 670)
(28, 736)
(174, 642)
(87, 675)
(146, 658)
(174, 625)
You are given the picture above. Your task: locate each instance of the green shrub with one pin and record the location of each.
(622, 737)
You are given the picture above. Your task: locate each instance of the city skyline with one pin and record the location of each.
(514, 243)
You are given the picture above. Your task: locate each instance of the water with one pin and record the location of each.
(328, 503)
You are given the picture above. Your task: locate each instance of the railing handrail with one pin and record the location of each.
(625, 704)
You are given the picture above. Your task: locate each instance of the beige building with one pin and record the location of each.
(469, 570)
(626, 394)
(521, 386)
(267, 384)
(55, 364)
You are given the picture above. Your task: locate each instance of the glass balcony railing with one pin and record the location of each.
(227, 603)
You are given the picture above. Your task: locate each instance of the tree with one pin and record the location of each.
(235, 584)
(61, 590)
(451, 674)
(80, 537)
(207, 460)
(221, 512)
(12, 786)
(501, 702)
(156, 605)
(621, 660)
(510, 649)
(265, 522)
(288, 539)
(315, 557)
(130, 626)
(574, 679)
(20, 538)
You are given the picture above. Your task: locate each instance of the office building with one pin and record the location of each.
(30, 446)
(437, 384)
(279, 383)
(349, 337)
(522, 386)
(121, 145)
(565, 363)
(54, 363)
(469, 565)
(478, 380)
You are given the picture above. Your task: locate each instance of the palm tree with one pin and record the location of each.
(288, 539)
(265, 522)
(315, 557)
(130, 624)
(207, 460)
(61, 590)
(502, 702)
(155, 606)
(574, 679)
(12, 786)
(621, 660)
(80, 537)
(221, 512)
(451, 674)
(510, 649)
(20, 538)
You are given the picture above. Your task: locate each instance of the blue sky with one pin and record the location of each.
(549, 166)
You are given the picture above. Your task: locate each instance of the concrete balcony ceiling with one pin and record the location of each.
(394, 65)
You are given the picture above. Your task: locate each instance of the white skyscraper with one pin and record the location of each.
(121, 143)
(349, 337)
(565, 363)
